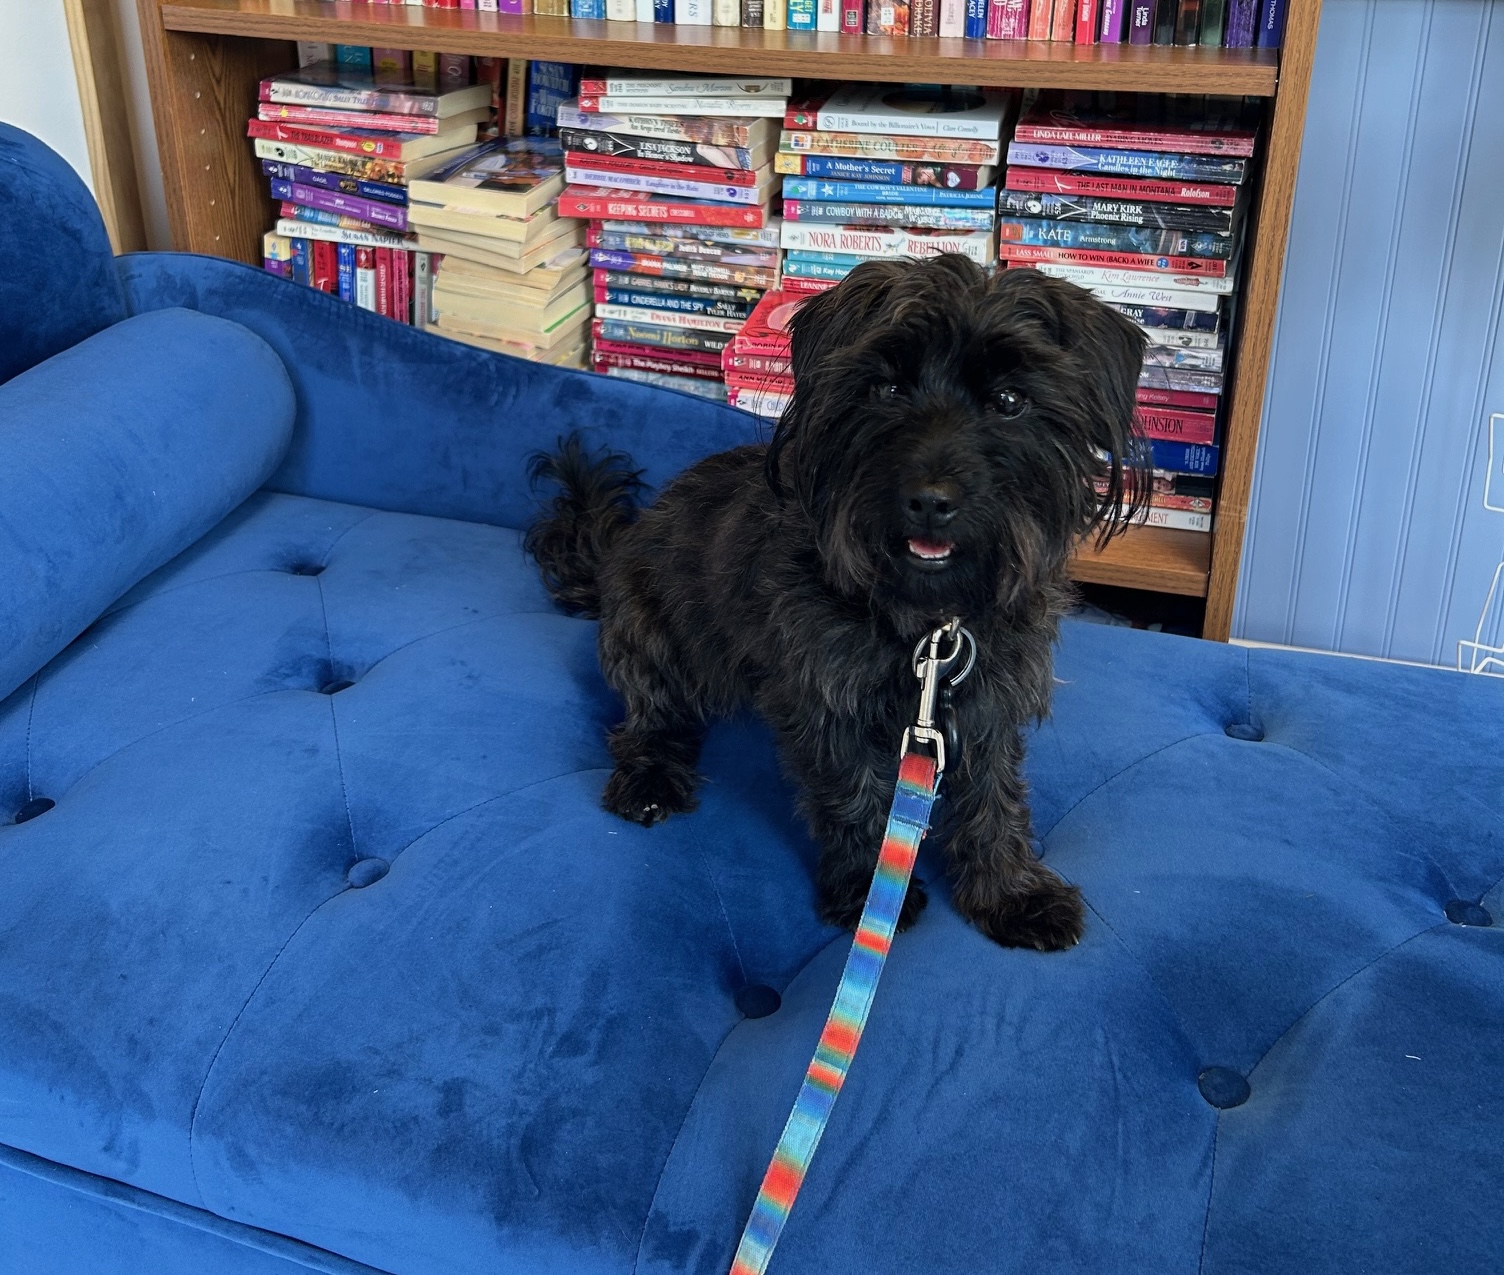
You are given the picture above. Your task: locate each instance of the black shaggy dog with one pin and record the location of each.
(937, 459)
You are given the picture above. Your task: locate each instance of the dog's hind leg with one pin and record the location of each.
(657, 746)
(1001, 887)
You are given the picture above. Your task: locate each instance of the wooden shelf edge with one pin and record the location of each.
(1155, 558)
(663, 46)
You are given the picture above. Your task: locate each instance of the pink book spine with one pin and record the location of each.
(853, 13)
(1008, 20)
(1086, 22)
(1039, 18)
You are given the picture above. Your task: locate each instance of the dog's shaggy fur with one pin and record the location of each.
(937, 459)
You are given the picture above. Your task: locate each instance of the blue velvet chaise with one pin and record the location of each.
(318, 953)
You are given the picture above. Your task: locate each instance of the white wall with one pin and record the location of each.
(38, 91)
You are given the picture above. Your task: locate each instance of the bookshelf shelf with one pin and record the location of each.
(1158, 559)
(730, 50)
(205, 57)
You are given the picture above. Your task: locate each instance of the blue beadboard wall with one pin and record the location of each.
(1367, 531)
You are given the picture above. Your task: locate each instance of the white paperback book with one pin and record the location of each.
(952, 18)
(914, 111)
(692, 13)
(644, 10)
(828, 15)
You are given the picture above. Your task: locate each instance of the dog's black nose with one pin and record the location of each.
(931, 504)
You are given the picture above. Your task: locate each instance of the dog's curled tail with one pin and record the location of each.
(597, 498)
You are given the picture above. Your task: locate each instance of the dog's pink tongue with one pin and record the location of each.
(929, 548)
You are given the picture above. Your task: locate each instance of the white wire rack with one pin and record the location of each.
(1480, 655)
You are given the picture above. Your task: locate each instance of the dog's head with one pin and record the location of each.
(946, 430)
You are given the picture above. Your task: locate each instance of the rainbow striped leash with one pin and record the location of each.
(908, 821)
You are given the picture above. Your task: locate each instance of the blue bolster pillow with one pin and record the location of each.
(115, 456)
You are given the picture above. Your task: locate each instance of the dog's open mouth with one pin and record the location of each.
(930, 552)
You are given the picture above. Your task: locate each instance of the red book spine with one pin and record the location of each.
(384, 281)
(1063, 21)
(703, 359)
(795, 283)
(595, 203)
(1008, 19)
(329, 117)
(662, 168)
(325, 272)
(1113, 260)
(1183, 427)
(1180, 141)
(650, 363)
(761, 381)
(1055, 182)
(1039, 18)
(1086, 22)
(733, 359)
(402, 285)
(1178, 398)
(328, 138)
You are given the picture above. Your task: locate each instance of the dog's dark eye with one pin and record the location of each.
(886, 390)
(1008, 402)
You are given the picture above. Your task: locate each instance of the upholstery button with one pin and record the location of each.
(366, 872)
(1222, 1087)
(41, 805)
(306, 569)
(1459, 912)
(334, 688)
(757, 1000)
(1243, 730)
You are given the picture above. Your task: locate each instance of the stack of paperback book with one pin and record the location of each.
(756, 363)
(512, 277)
(878, 170)
(340, 147)
(1138, 200)
(675, 177)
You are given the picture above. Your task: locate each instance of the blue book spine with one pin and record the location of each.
(976, 19)
(353, 55)
(302, 264)
(816, 270)
(314, 216)
(1088, 159)
(1271, 24)
(1216, 245)
(550, 84)
(878, 193)
(587, 8)
(334, 181)
(811, 257)
(801, 15)
(346, 274)
(1185, 458)
(663, 10)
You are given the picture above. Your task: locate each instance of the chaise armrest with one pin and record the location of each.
(396, 418)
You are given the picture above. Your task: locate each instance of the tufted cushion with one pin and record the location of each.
(118, 454)
(326, 934)
(54, 246)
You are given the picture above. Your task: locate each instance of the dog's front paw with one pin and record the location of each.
(649, 796)
(1048, 919)
(845, 912)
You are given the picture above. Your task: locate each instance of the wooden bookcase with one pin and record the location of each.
(204, 58)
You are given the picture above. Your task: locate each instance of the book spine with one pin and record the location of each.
(679, 305)
(1177, 398)
(1213, 23)
(1111, 260)
(663, 11)
(296, 229)
(668, 319)
(365, 278)
(887, 17)
(619, 150)
(857, 241)
(815, 270)
(1120, 163)
(1063, 21)
(800, 15)
(674, 287)
(647, 363)
(454, 70)
(1050, 181)
(274, 265)
(923, 20)
(878, 146)
(1185, 141)
(346, 271)
(395, 66)
(1006, 20)
(691, 13)
(951, 177)
(588, 9)
(775, 15)
(1086, 22)
(1113, 14)
(336, 181)
(621, 10)
(310, 53)
(422, 289)
(574, 203)
(1188, 23)
(732, 360)
(711, 132)
(1271, 32)
(1040, 14)
(665, 338)
(1168, 317)
(1165, 12)
(674, 268)
(1240, 24)
(880, 193)
(1096, 276)
(752, 13)
(828, 15)
(1141, 22)
(380, 214)
(325, 267)
(677, 187)
(355, 56)
(402, 287)
(1184, 458)
(328, 117)
(683, 167)
(915, 215)
(514, 100)
(1121, 212)
(302, 261)
(1183, 427)
(952, 19)
(976, 19)
(384, 282)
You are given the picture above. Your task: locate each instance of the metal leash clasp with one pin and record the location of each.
(935, 661)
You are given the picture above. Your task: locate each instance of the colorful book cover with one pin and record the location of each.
(676, 287)
(614, 147)
(892, 146)
(342, 182)
(1052, 181)
(1095, 276)
(939, 111)
(1119, 212)
(680, 269)
(374, 211)
(890, 172)
(668, 319)
(579, 172)
(508, 177)
(1109, 258)
(727, 131)
(600, 202)
(872, 241)
(863, 192)
(1156, 164)
(550, 85)
(887, 17)
(800, 15)
(908, 215)
(680, 305)
(684, 169)
(1242, 19)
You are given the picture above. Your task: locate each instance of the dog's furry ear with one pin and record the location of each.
(1108, 351)
(825, 325)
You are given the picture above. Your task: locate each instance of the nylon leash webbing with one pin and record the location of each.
(918, 781)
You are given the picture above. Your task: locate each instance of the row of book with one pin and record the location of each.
(1208, 23)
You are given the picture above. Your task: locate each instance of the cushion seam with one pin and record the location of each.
(1118, 774)
(31, 713)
